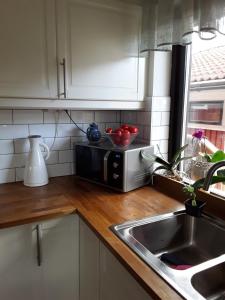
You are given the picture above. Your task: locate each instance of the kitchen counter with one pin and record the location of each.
(99, 207)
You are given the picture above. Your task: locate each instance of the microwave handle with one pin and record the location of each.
(106, 166)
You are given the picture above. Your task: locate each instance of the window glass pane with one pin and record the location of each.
(206, 112)
(205, 128)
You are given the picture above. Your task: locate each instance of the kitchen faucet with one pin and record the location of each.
(210, 173)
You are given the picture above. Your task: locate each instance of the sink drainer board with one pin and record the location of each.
(198, 242)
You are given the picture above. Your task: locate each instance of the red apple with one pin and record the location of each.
(133, 129)
(109, 130)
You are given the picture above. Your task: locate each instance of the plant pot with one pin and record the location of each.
(199, 169)
(194, 211)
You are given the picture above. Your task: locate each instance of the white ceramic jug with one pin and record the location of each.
(35, 173)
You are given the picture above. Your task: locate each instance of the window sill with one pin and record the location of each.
(215, 203)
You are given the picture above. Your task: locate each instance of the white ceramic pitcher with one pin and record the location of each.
(35, 173)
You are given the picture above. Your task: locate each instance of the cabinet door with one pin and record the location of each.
(16, 263)
(28, 49)
(100, 42)
(89, 263)
(115, 281)
(59, 270)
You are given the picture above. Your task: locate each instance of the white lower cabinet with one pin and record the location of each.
(59, 260)
(46, 270)
(16, 263)
(116, 283)
(89, 264)
(102, 276)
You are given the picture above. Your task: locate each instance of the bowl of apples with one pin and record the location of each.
(123, 136)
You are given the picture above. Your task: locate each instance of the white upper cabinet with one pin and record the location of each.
(28, 66)
(99, 41)
(71, 50)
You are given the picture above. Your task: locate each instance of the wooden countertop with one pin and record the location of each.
(99, 208)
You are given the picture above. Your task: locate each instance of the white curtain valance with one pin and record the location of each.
(172, 22)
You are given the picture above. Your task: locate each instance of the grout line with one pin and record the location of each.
(12, 116)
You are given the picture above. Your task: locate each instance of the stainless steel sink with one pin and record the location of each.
(198, 242)
(211, 282)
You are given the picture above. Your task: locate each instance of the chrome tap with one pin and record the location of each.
(210, 173)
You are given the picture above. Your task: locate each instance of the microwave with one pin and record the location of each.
(123, 170)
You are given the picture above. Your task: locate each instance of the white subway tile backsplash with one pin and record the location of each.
(77, 140)
(155, 143)
(19, 174)
(159, 133)
(129, 117)
(6, 116)
(111, 125)
(66, 130)
(107, 116)
(163, 146)
(101, 126)
(22, 145)
(83, 116)
(12, 160)
(156, 119)
(160, 104)
(165, 121)
(59, 143)
(53, 157)
(45, 130)
(27, 116)
(56, 116)
(6, 146)
(143, 118)
(7, 175)
(59, 170)
(147, 133)
(13, 131)
(66, 156)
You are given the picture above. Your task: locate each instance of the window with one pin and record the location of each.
(206, 106)
(206, 112)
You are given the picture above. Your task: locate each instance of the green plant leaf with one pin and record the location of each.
(150, 157)
(208, 157)
(178, 154)
(163, 162)
(159, 168)
(218, 156)
(221, 173)
(181, 159)
(215, 179)
(193, 202)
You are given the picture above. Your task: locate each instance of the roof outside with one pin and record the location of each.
(208, 65)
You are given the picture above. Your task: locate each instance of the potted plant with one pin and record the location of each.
(169, 167)
(194, 207)
(201, 160)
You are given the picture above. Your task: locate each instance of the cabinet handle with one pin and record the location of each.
(39, 250)
(63, 64)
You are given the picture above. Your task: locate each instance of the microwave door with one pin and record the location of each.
(97, 164)
(90, 163)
